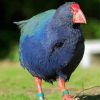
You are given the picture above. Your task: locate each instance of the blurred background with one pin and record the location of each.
(10, 70)
(16, 10)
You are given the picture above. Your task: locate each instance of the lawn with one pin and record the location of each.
(17, 84)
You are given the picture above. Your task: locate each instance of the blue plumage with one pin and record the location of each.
(51, 46)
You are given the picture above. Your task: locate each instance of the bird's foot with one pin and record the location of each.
(69, 97)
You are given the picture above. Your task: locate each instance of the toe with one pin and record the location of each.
(68, 97)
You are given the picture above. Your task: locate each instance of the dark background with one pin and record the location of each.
(16, 10)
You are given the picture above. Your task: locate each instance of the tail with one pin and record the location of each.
(20, 24)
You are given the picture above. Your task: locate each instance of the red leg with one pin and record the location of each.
(39, 87)
(61, 84)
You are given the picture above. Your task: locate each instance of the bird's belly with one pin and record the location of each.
(42, 62)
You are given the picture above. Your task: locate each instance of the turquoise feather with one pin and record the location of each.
(31, 25)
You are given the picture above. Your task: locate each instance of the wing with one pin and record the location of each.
(35, 26)
(35, 23)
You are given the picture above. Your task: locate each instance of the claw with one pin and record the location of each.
(77, 99)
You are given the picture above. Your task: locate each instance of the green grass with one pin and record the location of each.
(86, 77)
(17, 84)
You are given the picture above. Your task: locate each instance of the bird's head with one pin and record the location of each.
(70, 12)
(78, 16)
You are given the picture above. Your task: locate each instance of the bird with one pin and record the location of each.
(51, 46)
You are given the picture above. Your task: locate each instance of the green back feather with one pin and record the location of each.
(31, 25)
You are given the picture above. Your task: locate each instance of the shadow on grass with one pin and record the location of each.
(90, 97)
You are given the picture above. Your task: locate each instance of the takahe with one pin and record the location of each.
(52, 45)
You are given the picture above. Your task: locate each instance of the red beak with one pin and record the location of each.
(79, 17)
